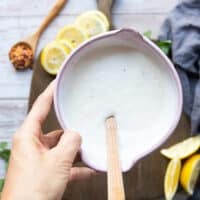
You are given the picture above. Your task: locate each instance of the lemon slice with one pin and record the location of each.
(190, 173)
(98, 14)
(183, 149)
(172, 178)
(91, 26)
(73, 34)
(67, 44)
(52, 57)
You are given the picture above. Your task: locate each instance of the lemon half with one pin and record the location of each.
(172, 178)
(190, 173)
(52, 57)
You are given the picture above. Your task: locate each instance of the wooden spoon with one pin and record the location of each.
(115, 180)
(31, 42)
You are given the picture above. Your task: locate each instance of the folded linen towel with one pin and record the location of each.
(182, 26)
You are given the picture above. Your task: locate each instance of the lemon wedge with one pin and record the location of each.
(52, 57)
(172, 178)
(91, 25)
(73, 34)
(99, 14)
(183, 149)
(190, 173)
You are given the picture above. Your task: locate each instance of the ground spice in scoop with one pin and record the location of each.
(21, 56)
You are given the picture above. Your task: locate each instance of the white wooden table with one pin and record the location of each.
(19, 18)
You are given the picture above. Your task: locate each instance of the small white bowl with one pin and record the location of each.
(125, 37)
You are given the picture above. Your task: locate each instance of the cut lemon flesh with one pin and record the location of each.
(190, 173)
(183, 149)
(73, 34)
(67, 45)
(172, 178)
(98, 14)
(91, 26)
(52, 57)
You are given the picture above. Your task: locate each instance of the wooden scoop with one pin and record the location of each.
(30, 43)
(114, 180)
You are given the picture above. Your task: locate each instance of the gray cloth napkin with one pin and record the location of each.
(182, 26)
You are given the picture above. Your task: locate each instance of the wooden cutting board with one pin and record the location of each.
(144, 181)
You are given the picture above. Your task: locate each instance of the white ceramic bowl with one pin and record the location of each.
(125, 37)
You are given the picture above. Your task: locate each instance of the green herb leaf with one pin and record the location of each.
(3, 145)
(1, 184)
(4, 151)
(148, 34)
(5, 154)
(165, 45)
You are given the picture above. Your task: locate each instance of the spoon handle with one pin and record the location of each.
(115, 180)
(106, 7)
(53, 12)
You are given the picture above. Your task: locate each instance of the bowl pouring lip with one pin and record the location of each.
(159, 53)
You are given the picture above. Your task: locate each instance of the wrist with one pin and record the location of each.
(22, 195)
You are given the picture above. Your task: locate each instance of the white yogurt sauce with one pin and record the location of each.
(127, 84)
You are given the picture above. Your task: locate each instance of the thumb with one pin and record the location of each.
(68, 146)
(81, 173)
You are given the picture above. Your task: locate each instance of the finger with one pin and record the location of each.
(81, 173)
(51, 139)
(41, 107)
(68, 146)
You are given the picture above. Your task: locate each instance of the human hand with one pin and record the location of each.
(41, 165)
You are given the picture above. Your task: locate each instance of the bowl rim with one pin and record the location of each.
(159, 53)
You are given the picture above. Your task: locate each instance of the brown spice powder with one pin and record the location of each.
(21, 56)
